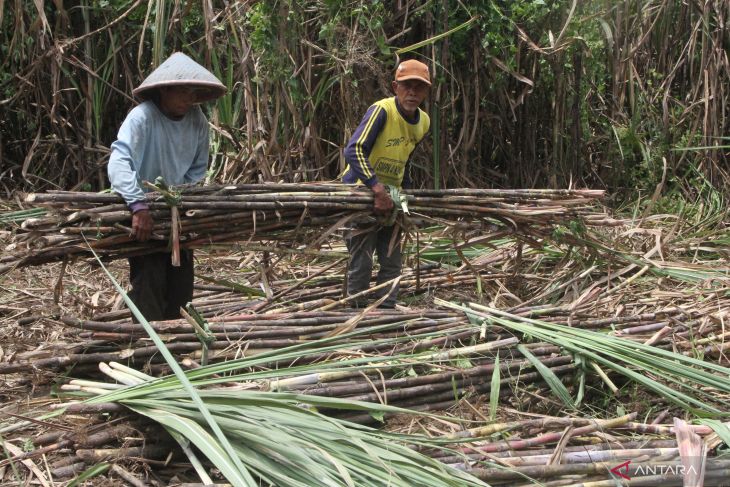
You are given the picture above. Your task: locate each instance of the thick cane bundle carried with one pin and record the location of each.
(293, 214)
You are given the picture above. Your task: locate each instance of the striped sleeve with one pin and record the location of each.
(361, 144)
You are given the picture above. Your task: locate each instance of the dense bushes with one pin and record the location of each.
(531, 93)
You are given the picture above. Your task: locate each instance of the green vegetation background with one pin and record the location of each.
(622, 95)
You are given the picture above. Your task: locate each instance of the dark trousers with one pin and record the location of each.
(159, 289)
(361, 248)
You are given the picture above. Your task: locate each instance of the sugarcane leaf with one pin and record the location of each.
(89, 473)
(291, 439)
(280, 441)
(200, 438)
(721, 429)
(341, 469)
(185, 445)
(243, 474)
(378, 415)
(581, 374)
(9, 459)
(436, 38)
(494, 390)
(642, 362)
(552, 380)
(463, 363)
(475, 319)
(250, 291)
(264, 426)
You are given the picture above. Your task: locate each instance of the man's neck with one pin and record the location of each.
(412, 118)
(165, 112)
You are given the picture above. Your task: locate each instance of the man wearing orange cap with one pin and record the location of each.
(377, 155)
(166, 135)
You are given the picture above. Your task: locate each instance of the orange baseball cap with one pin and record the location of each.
(412, 69)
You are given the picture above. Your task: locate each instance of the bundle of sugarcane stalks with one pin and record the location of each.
(316, 290)
(295, 214)
(433, 338)
(370, 365)
(519, 451)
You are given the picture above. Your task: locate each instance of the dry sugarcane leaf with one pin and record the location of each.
(693, 453)
(557, 455)
(29, 464)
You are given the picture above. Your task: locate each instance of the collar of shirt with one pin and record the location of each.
(412, 120)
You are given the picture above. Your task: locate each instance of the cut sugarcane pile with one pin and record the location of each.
(269, 334)
(295, 214)
(322, 290)
(300, 311)
(561, 450)
(431, 338)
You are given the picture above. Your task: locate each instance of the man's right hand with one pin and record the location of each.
(142, 224)
(383, 201)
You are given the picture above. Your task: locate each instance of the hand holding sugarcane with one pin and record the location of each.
(142, 224)
(383, 202)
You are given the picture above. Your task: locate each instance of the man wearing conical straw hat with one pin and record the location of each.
(164, 136)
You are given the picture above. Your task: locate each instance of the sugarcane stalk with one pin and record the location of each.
(447, 398)
(301, 323)
(83, 408)
(153, 451)
(127, 476)
(65, 472)
(540, 471)
(37, 452)
(598, 451)
(554, 437)
(602, 456)
(478, 372)
(713, 477)
(660, 429)
(297, 285)
(430, 390)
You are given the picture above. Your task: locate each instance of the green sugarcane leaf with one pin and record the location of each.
(721, 429)
(243, 478)
(378, 416)
(91, 472)
(436, 38)
(200, 438)
(581, 374)
(636, 361)
(552, 380)
(494, 390)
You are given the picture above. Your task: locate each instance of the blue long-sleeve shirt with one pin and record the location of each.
(150, 144)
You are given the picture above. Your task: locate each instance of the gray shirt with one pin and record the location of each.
(150, 144)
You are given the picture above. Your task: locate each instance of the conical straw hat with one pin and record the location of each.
(178, 70)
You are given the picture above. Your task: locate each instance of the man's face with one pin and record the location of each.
(410, 94)
(176, 101)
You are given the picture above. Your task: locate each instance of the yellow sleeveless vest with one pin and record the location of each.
(395, 143)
